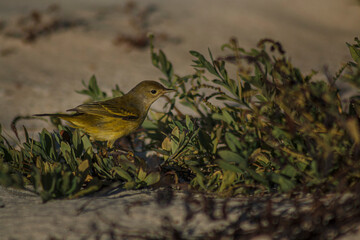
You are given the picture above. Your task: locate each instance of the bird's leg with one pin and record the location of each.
(116, 152)
(101, 148)
(129, 139)
(119, 148)
(131, 152)
(110, 146)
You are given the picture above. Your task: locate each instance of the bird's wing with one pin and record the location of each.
(111, 108)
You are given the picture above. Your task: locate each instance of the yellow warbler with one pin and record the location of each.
(117, 117)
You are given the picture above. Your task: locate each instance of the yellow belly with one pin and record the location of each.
(103, 128)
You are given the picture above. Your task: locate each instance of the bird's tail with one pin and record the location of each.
(63, 116)
(59, 115)
(70, 118)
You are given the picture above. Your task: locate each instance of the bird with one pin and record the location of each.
(114, 118)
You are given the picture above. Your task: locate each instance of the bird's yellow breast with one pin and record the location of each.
(104, 128)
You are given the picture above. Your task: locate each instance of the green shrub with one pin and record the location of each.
(271, 129)
(259, 126)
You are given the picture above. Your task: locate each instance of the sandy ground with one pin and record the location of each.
(42, 76)
(141, 214)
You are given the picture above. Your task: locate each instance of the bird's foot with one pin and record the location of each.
(128, 153)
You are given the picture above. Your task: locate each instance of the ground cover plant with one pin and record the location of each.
(258, 127)
(271, 129)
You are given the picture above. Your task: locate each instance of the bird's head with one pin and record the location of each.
(148, 92)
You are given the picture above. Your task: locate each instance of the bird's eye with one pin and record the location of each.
(153, 91)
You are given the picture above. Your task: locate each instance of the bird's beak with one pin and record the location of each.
(167, 90)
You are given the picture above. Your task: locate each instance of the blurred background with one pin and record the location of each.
(48, 47)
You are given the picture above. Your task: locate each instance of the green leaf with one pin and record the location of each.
(76, 140)
(285, 184)
(189, 123)
(227, 116)
(227, 166)
(93, 90)
(261, 98)
(195, 53)
(152, 178)
(47, 144)
(147, 124)
(289, 171)
(200, 180)
(232, 141)
(84, 166)
(65, 147)
(141, 174)
(69, 155)
(229, 177)
(353, 128)
(122, 173)
(203, 63)
(355, 53)
(93, 187)
(205, 141)
(86, 142)
(179, 125)
(130, 185)
(34, 149)
(93, 86)
(233, 157)
(257, 177)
